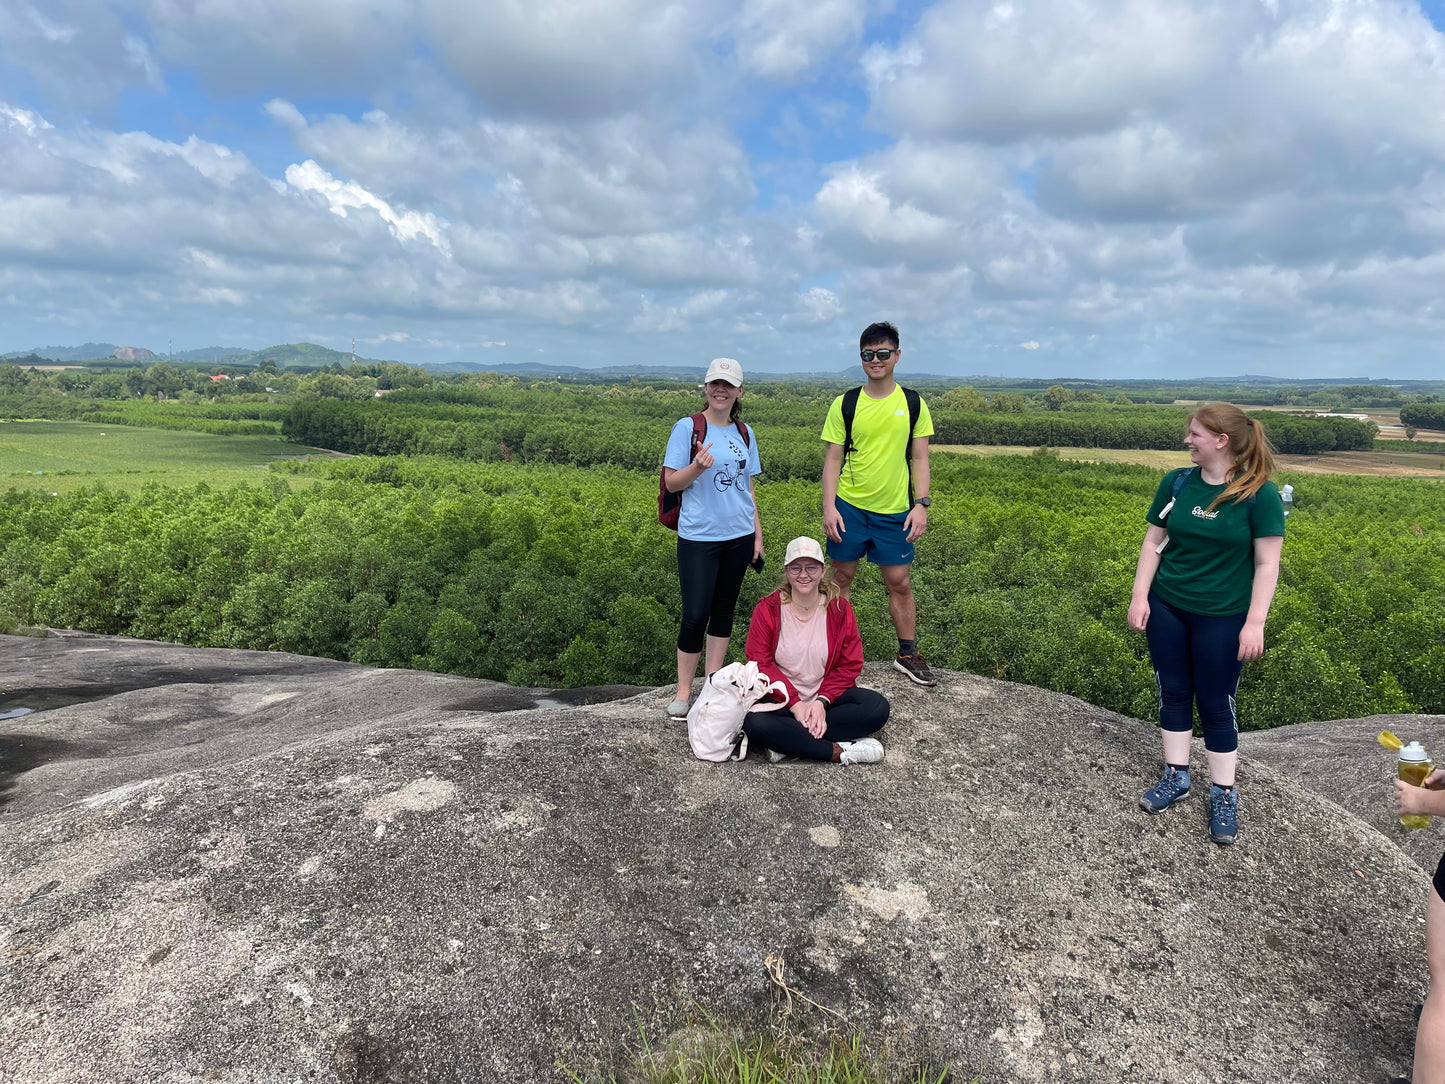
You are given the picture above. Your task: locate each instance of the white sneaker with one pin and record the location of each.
(862, 751)
(677, 710)
(775, 757)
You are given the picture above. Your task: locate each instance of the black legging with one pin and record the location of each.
(711, 574)
(855, 714)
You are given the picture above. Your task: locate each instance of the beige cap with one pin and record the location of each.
(724, 369)
(803, 547)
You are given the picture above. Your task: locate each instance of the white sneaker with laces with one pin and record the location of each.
(862, 751)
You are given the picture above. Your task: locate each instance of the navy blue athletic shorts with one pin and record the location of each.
(881, 537)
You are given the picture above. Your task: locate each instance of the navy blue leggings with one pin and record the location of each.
(1196, 661)
(711, 575)
(855, 714)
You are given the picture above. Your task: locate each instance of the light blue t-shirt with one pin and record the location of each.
(718, 506)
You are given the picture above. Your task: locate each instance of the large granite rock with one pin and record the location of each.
(238, 866)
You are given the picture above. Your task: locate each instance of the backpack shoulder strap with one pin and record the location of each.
(1179, 479)
(915, 408)
(699, 434)
(849, 408)
(743, 431)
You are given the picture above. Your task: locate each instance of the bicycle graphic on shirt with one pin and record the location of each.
(734, 473)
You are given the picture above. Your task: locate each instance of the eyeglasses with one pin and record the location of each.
(810, 569)
(881, 355)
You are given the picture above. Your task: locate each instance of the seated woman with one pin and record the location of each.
(805, 635)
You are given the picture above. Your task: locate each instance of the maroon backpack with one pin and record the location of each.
(669, 505)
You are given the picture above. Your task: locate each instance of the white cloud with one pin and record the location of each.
(782, 39)
(1014, 69)
(1087, 176)
(569, 59)
(816, 306)
(16, 117)
(344, 196)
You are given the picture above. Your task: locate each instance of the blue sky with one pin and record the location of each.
(1137, 188)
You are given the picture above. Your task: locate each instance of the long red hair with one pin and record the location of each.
(1253, 456)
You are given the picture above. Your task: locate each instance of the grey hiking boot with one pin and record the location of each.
(914, 668)
(1223, 815)
(1173, 787)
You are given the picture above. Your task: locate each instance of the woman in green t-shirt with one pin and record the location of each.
(1206, 576)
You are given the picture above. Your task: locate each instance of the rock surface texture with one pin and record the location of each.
(240, 866)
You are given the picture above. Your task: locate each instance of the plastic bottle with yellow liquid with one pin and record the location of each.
(1413, 767)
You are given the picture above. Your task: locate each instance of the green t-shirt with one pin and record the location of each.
(875, 474)
(1208, 566)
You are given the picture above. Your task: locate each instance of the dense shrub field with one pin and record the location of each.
(541, 574)
(627, 427)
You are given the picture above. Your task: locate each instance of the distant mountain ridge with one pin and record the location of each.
(312, 356)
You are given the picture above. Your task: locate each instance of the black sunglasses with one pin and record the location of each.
(882, 355)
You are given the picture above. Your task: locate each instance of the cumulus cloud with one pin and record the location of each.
(782, 40)
(569, 59)
(1079, 178)
(80, 56)
(344, 196)
(251, 46)
(1182, 162)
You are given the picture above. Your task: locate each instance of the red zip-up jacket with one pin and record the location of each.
(845, 648)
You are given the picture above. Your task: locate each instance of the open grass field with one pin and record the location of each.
(61, 457)
(1371, 464)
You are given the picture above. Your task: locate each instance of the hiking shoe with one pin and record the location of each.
(862, 751)
(677, 710)
(915, 668)
(1170, 789)
(1223, 816)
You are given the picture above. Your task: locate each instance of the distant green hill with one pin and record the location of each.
(67, 354)
(300, 356)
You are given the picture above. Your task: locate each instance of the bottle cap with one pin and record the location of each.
(1414, 753)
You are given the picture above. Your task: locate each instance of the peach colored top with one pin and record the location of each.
(802, 651)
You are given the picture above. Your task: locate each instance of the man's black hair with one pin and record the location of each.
(882, 332)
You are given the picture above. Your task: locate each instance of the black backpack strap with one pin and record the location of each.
(1179, 480)
(915, 408)
(743, 429)
(849, 408)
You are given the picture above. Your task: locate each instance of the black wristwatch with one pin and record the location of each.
(927, 502)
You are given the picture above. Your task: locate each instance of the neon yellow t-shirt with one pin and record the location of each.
(875, 474)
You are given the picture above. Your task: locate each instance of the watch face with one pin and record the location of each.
(927, 502)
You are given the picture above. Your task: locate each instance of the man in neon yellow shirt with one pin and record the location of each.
(875, 486)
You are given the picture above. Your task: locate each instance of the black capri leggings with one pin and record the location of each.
(711, 574)
(855, 714)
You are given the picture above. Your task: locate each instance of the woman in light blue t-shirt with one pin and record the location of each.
(719, 532)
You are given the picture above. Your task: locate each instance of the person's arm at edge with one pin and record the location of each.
(1144, 571)
(757, 522)
(757, 511)
(917, 521)
(678, 479)
(762, 642)
(1266, 578)
(832, 471)
(1428, 800)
